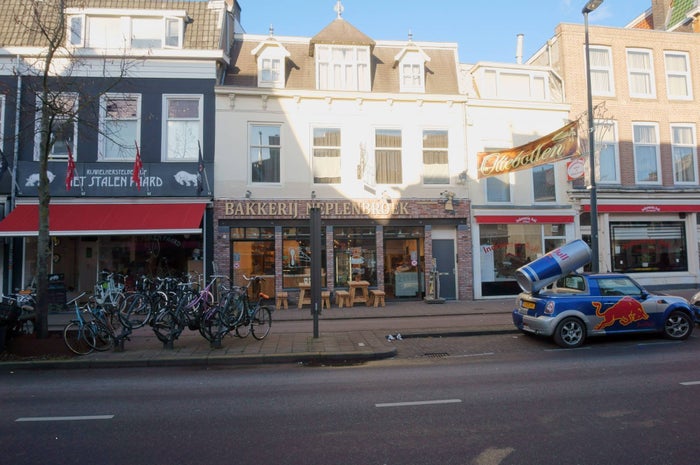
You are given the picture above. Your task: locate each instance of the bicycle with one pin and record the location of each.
(169, 323)
(96, 332)
(110, 291)
(240, 314)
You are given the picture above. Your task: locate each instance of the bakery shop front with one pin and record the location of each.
(396, 246)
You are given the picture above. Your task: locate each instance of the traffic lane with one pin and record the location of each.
(442, 413)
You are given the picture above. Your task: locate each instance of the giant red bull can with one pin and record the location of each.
(554, 265)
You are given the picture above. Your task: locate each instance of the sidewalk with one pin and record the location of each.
(346, 335)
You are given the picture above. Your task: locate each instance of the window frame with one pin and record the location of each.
(325, 68)
(379, 170)
(103, 138)
(37, 132)
(670, 74)
(273, 55)
(631, 72)
(600, 141)
(446, 150)
(657, 148)
(327, 148)
(259, 147)
(609, 69)
(166, 120)
(536, 169)
(693, 147)
(412, 60)
(79, 35)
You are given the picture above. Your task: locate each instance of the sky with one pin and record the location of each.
(484, 30)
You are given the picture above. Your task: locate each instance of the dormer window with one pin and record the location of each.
(95, 29)
(411, 63)
(340, 67)
(271, 57)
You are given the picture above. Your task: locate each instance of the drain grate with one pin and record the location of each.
(436, 354)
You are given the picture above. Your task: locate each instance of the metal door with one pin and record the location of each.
(444, 255)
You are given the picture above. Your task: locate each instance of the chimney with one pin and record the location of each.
(519, 50)
(660, 10)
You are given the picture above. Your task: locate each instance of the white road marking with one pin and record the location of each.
(421, 402)
(473, 355)
(690, 383)
(74, 418)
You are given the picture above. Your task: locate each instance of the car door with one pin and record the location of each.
(623, 307)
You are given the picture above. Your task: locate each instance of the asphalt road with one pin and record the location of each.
(486, 400)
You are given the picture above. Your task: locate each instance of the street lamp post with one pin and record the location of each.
(595, 260)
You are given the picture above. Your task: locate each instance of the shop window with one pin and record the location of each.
(355, 255)
(296, 256)
(404, 262)
(506, 247)
(253, 252)
(646, 247)
(265, 153)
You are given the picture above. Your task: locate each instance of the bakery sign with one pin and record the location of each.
(558, 145)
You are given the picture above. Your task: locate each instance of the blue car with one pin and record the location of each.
(581, 305)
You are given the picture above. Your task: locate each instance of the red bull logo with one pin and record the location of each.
(626, 311)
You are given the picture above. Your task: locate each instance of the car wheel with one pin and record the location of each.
(678, 326)
(570, 333)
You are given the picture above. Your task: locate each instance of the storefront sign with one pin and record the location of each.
(300, 209)
(559, 145)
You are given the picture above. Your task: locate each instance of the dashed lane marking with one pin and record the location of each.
(421, 402)
(72, 418)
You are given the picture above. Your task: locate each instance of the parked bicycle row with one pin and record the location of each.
(168, 305)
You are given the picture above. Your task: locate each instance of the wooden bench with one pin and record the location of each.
(342, 298)
(376, 297)
(325, 299)
(281, 300)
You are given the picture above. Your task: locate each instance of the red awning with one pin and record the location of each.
(102, 219)
(523, 219)
(644, 208)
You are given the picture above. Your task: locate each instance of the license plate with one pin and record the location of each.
(529, 305)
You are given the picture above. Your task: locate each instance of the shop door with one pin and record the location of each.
(402, 263)
(444, 255)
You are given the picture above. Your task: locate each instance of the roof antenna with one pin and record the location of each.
(272, 30)
(338, 8)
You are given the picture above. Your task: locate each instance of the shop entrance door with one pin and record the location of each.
(402, 264)
(444, 255)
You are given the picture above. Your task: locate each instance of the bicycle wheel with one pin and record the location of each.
(165, 326)
(78, 338)
(138, 311)
(261, 323)
(103, 338)
(212, 326)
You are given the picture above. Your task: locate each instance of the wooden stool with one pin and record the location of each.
(326, 299)
(281, 300)
(342, 298)
(377, 297)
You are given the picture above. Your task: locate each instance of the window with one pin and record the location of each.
(543, 182)
(265, 147)
(514, 85)
(76, 33)
(270, 70)
(64, 126)
(326, 156)
(606, 145)
(412, 70)
(296, 256)
(649, 246)
(355, 255)
(435, 155)
(253, 251)
(498, 188)
(387, 155)
(601, 71)
(641, 74)
(183, 127)
(271, 59)
(683, 149)
(123, 32)
(646, 153)
(120, 126)
(342, 67)
(678, 82)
